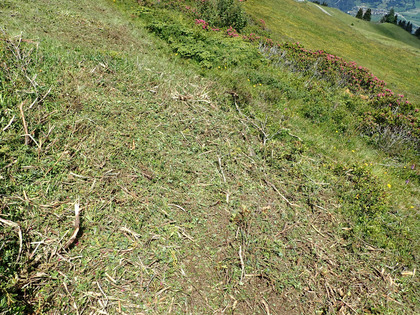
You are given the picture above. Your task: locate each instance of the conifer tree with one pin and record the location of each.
(359, 14)
(368, 14)
(417, 33)
(409, 27)
(391, 17)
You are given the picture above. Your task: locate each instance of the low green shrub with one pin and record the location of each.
(223, 13)
(209, 50)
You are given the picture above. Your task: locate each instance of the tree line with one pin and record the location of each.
(364, 16)
(323, 3)
(390, 17)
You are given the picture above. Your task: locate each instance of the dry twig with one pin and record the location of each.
(267, 309)
(174, 205)
(242, 264)
(10, 123)
(16, 226)
(76, 226)
(132, 233)
(221, 169)
(25, 126)
(318, 231)
(41, 100)
(280, 194)
(104, 306)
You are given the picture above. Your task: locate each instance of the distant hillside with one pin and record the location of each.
(383, 4)
(387, 50)
(406, 9)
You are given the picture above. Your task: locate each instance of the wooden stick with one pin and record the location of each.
(25, 126)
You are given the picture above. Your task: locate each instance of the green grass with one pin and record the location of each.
(189, 203)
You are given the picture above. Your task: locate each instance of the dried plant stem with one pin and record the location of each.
(280, 194)
(179, 207)
(17, 227)
(25, 126)
(105, 296)
(9, 124)
(132, 233)
(41, 100)
(242, 264)
(267, 309)
(221, 169)
(76, 226)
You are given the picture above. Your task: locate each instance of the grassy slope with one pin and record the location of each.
(366, 43)
(183, 210)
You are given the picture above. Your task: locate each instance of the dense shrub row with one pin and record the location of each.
(392, 118)
(208, 51)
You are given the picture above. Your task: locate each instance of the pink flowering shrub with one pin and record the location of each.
(231, 32)
(392, 118)
(204, 25)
